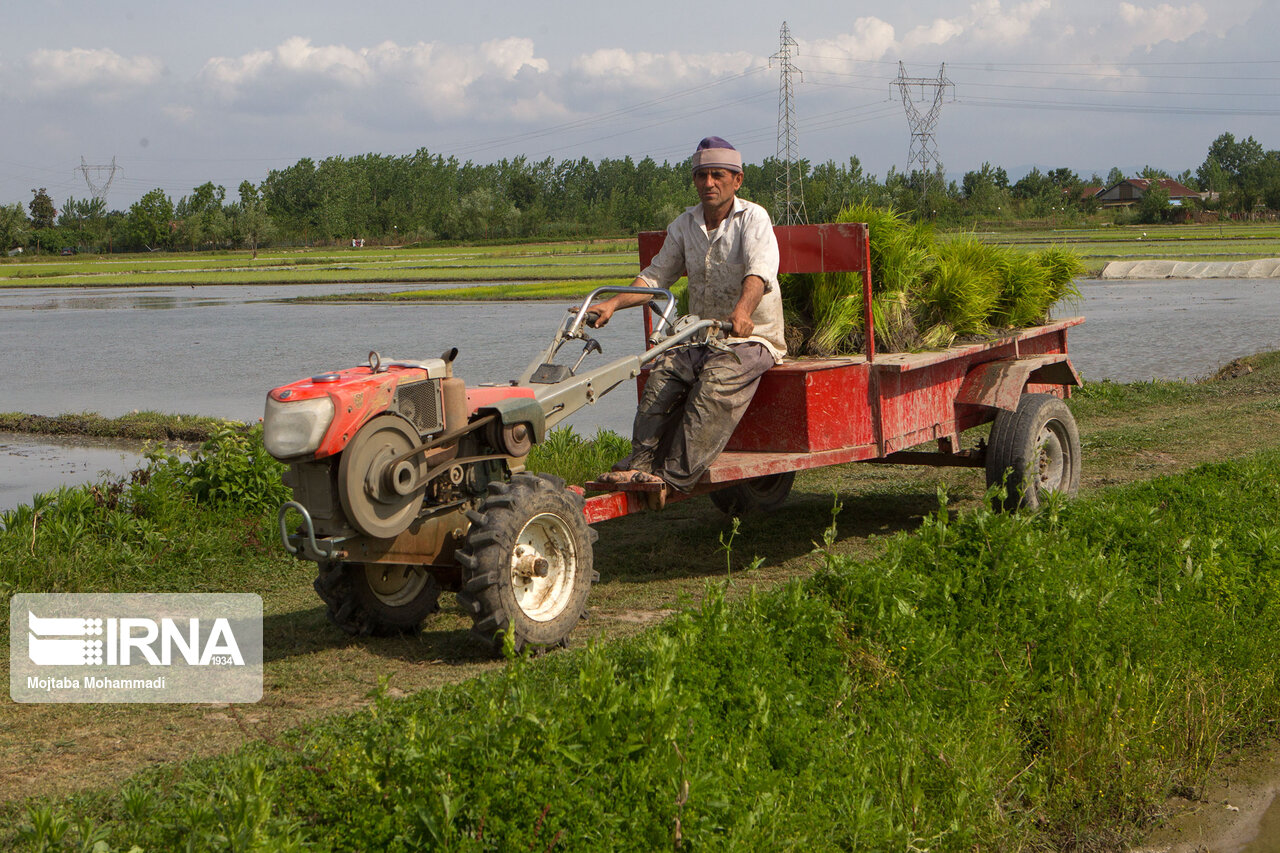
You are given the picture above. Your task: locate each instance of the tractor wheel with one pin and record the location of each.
(526, 564)
(377, 598)
(1039, 448)
(763, 494)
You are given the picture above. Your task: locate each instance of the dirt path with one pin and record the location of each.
(650, 565)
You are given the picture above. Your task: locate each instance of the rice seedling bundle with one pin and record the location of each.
(926, 292)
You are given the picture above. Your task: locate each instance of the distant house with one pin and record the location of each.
(1131, 190)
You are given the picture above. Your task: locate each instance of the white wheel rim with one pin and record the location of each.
(395, 585)
(1052, 462)
(544, 537)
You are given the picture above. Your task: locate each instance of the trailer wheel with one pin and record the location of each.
(526, 564)
(763, 494)
(1039, 447)
(377, 598)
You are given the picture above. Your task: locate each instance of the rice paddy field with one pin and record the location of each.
(1098, 245)
(553, 270)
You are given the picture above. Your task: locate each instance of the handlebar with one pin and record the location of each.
(667, 315)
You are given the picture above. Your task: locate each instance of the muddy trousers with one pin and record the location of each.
(691, 404)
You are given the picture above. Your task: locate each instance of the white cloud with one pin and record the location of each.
(1164, 22)
(436, 76)
(97, 70)
(642, 70)
(870, 38)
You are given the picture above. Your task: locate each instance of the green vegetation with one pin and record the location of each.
(146, 426)
(422, 198)
(925, 292)
(1006, 682)
(483, 293)
(1010, 681)
(575, 459)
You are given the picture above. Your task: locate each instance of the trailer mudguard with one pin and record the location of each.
(999, 384)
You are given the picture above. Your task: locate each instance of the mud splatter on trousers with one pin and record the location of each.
(691, 404)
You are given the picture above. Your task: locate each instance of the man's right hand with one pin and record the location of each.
(602, 311)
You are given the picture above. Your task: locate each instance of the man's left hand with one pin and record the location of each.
(742, 325)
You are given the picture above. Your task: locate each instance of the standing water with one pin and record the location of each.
(218, 350)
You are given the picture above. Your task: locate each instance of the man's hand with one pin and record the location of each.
(752, 293)
(602, 311)
(742, 325)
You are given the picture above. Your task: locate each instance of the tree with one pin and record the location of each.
(43, 213)
(1115, 176)
(14, 226)
(148, 222)
(1232, 168)
(251, 220)
(1154, 207)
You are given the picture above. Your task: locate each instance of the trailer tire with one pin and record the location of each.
(375, 598)
(759, 495)
(527, 563)
(1037, 448)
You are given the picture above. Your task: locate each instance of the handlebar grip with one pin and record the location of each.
(591, 317)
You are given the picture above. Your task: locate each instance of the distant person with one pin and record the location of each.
(697, 394)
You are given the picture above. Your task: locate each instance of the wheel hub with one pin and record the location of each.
(1051, 460)
(543, 567)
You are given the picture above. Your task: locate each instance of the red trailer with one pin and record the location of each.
(875, 407)
(408, 481)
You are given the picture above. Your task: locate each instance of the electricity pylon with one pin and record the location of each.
(924, 149)
(788, 196)
(97, 187)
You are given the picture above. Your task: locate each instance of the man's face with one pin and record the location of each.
(716, 186)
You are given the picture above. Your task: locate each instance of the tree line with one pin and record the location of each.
(424, 197)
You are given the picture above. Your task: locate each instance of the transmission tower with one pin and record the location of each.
(788, 196)
(93, 177)
(923, 148)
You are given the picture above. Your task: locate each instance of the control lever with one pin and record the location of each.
(592, 346)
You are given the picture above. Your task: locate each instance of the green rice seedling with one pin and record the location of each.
(938, 336)
(895, 326)
(961, 289)
(1025, 293)
(1063, 267)
(837, 312)
(899, 249)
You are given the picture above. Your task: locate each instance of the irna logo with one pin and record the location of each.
(74, 641)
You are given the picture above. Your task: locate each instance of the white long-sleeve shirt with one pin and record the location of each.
(717, 261)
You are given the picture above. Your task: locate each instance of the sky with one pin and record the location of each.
(180, 93)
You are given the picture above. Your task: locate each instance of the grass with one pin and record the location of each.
(991, 681)
(144, 426)
(653, 564)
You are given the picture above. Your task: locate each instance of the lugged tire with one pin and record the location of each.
(364, 599)
(763, 494)
(1039, 447)
(521, 521)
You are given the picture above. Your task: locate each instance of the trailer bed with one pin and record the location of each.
(811, 413)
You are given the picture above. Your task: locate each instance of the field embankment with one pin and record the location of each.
(993, 681)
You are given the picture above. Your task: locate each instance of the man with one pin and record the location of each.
(696, 394)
